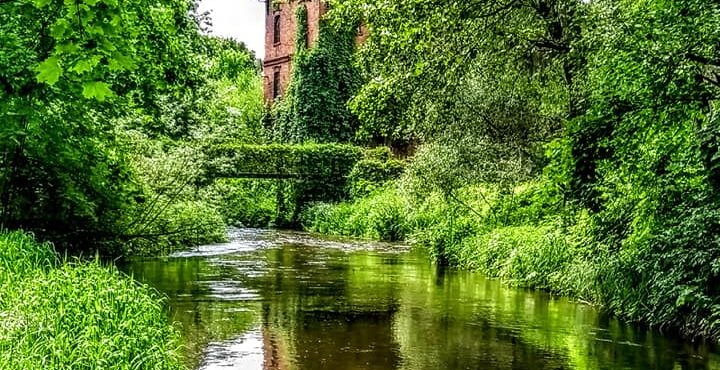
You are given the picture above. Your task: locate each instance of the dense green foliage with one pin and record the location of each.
(324, 78)
(298, 174)
(621, 97)
(77, 315)
(376, 168)
(61, 172)
(104, 106)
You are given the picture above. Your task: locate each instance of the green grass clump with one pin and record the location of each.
(77, 315)
(21, 254)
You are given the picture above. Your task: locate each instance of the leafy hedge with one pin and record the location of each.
(370, 174)
(301, 173)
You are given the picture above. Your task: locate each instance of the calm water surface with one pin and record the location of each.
(283, 300)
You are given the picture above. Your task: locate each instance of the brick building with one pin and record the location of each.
(280, 28)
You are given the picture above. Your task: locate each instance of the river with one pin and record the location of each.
(284, 300)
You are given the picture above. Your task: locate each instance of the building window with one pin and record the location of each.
(276, 30)
(276, 84)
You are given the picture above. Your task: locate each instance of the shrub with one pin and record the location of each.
(180, 224)
(370, 174)
(242, 202)
(380, 216)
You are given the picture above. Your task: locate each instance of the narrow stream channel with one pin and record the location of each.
(284, 300)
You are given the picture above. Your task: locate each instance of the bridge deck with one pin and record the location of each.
(278, 176)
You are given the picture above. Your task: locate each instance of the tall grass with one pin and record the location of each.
(56, 315)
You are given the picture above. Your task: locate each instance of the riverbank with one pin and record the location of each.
(528, 238)
(77, 315)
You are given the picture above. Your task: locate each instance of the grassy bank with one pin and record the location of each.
(527, 238)
(58, 315)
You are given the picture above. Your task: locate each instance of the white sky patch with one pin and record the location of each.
(243, 20)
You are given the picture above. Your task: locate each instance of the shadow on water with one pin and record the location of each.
(285, 300)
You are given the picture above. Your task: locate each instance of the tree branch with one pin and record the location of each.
(701, 59)
(547, 44)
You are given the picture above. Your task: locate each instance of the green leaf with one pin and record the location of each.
(95, 30)
(86, 65)
(120, 62)
(42, 3)
(49, 71)
(58, 29)
(67, 48)
(97, 90)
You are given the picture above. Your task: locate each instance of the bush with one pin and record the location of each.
(248, 203)
(370, 174)
(670, 276)
(381, 216)
(181, 224)
(77, 316)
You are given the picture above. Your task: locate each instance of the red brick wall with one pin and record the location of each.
(278, 56)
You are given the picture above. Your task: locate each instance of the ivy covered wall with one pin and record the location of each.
(324, 79)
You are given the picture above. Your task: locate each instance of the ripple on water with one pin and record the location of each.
(244, 352)
(249, 240)
(230, 291)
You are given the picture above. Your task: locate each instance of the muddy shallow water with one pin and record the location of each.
(286, 300)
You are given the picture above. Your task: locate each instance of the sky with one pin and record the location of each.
(243, 20)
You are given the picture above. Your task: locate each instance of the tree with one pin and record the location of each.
(67, 70)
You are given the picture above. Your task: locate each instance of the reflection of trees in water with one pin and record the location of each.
(458, 319)
(312, 309)
(327, 309)
(201, 318)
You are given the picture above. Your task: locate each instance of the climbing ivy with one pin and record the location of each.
(324, 79)
(302, 174)
(302, 34)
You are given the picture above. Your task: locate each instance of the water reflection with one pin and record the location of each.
(273, 300)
